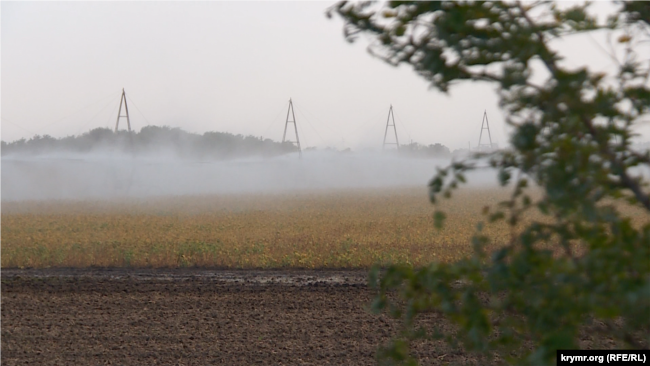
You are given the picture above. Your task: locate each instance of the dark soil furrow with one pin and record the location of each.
(82, 318)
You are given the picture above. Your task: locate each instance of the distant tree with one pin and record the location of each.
(585, 261)
(431, 151)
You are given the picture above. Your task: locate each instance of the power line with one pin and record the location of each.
(97, 114)
(335, 134)
(16, 125)
(110, 117)
(138, 109)
(310, 125)
(404, 124)
(272, 121)
(367, 122)
(79, 110)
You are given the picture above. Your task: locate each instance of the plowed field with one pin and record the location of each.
(195, 317)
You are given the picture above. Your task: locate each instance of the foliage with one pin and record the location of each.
(153, 139)
(433, 150)
(585, 261)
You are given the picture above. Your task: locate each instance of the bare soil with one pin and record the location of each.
(195, 317)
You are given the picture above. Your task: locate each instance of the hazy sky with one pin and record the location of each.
(226, 66)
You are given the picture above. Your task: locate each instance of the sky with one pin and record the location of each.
(230, 67)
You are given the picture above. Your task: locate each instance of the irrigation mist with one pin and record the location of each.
(105, 175)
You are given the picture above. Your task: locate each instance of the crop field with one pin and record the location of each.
(262, 305)
(334, 229)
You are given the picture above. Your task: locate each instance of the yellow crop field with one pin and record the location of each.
(332, 229)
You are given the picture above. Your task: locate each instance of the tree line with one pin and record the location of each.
(153, 139)
(156, 139)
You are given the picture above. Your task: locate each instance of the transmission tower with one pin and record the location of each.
(485, 125)
(119, 111)
(391, 116)
(295, 127)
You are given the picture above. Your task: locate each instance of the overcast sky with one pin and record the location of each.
(226, 66)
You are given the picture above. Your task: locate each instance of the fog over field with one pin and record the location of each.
(108, 176)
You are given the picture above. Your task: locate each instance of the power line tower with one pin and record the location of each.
(391, 116)
(119, 111)
(485, 125)
(295, 127)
